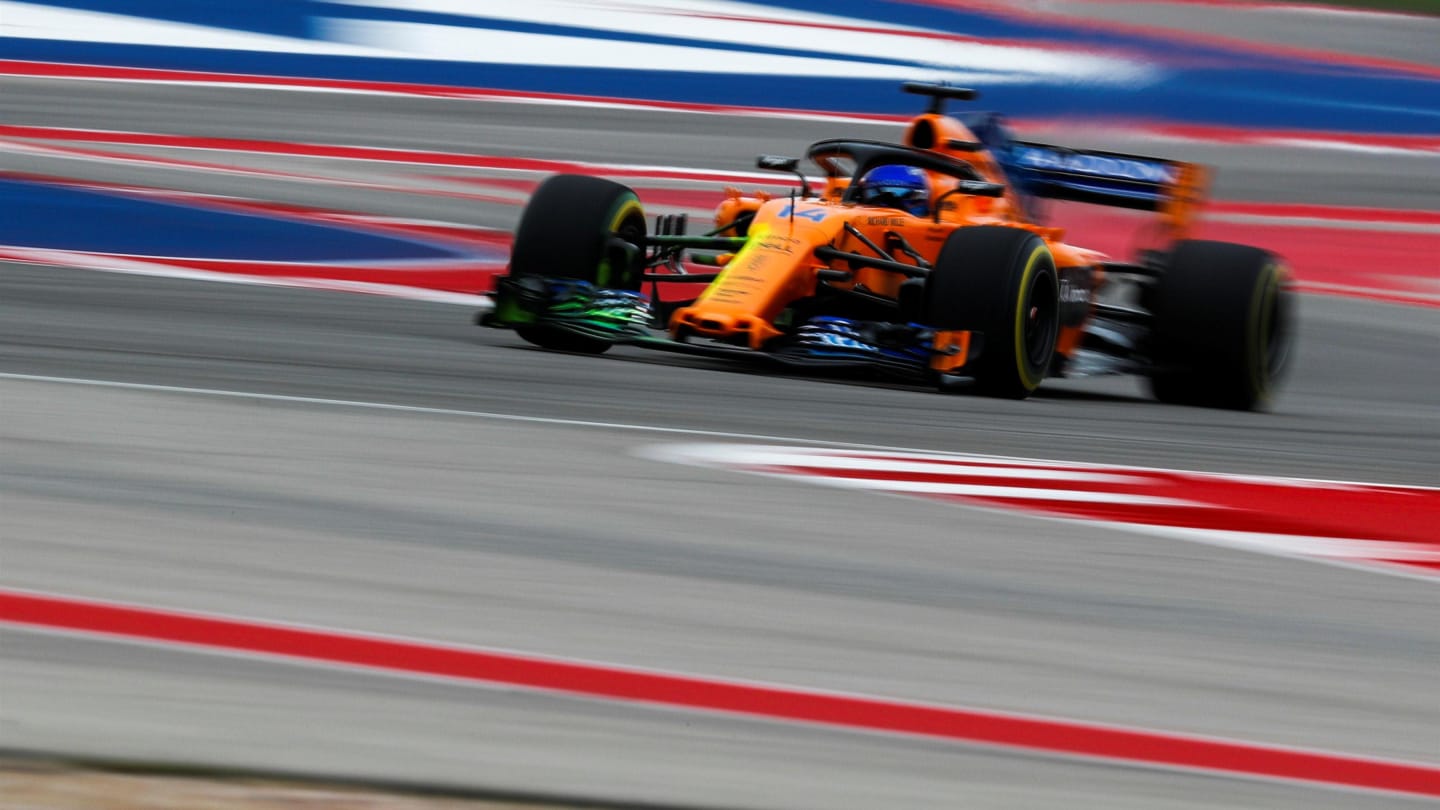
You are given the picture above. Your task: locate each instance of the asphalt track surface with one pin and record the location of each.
(556, 538)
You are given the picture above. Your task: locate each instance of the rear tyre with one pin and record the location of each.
(1002, 283)
(1223, 326)
(568, 231)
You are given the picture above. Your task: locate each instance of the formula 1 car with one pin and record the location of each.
(926, 258)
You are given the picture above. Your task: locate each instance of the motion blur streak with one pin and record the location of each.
(610, 682)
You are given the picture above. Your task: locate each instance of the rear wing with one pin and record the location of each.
(1172, 188)
(1092, 176)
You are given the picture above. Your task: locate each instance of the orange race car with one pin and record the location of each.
(924, 258)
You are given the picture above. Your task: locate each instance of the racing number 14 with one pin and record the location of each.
(812, 214)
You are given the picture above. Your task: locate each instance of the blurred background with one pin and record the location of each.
(279, 526)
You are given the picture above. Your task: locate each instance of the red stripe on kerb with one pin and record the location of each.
(1274, 506)
(607, 682)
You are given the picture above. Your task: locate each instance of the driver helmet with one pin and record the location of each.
(896, 186)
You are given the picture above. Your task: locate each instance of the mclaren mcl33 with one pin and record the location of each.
(926, 258)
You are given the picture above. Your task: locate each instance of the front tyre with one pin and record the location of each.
(584, 228)
(1223, 326)
(1002, 283)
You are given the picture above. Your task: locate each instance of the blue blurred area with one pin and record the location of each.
(42, 215)
(1185, 82)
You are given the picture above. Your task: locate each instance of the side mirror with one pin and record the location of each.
(779, 163)
(972, 188)
(980, 188)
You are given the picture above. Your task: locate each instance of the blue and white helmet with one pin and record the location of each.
(896, 186)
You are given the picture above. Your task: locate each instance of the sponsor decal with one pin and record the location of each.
(1111, 166)
(1076, 285)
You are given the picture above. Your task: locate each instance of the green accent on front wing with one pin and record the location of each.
(570, 305)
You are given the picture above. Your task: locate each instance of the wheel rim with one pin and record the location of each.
(1042, 309)
(629, 226)
(1277, 336)
(1269, 339)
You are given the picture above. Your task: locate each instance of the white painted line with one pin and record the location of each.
(655, 452)
(1340, 555)
(1295, 545)
(730, 454)
(419, 409)
(862, 464)
(981, 491)
(1244, 541)
(1325, 286)
(1329, 223)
